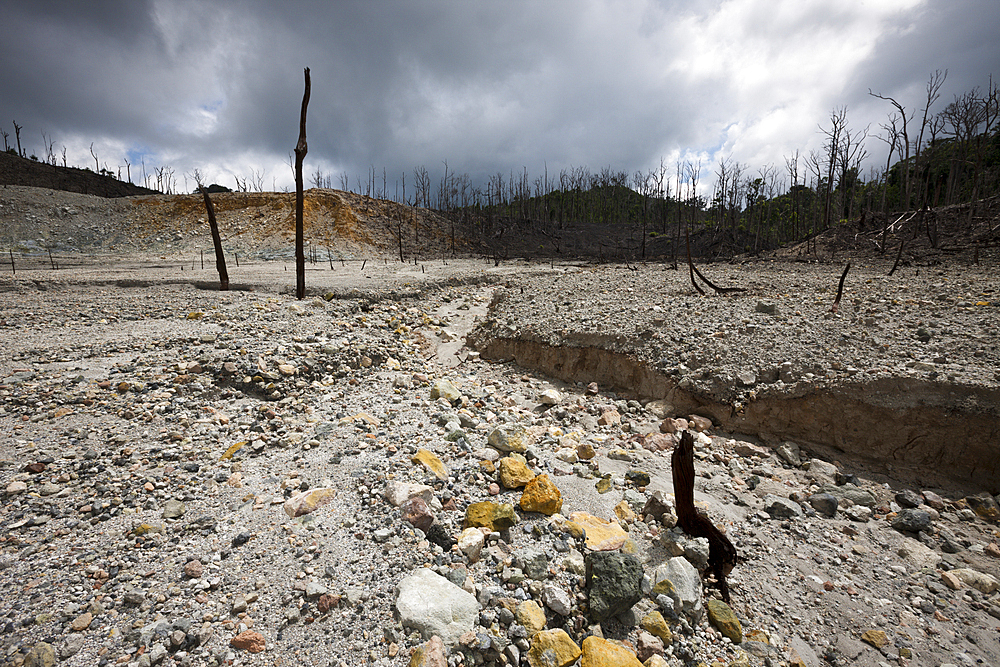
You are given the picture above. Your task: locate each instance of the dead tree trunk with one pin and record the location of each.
(840, 289)
(722, 554)
(301, 148)
(220, 257)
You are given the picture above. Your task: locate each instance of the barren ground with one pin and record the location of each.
(126, 380)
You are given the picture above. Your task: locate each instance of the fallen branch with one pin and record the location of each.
(840, 289)
(687, 237)
(694, 271)
(722, 555)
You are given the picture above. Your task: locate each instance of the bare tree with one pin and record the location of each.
(48, 144)
(934, 84)
(220, 256)
(6, 135)
(97, 165)
(838, 125)
(904, 144)
(17, 135)
(301, 148)
(257, 179)
(128, 167)
(892, 139)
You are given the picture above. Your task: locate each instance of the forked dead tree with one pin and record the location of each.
(300, 153)
(722, 555)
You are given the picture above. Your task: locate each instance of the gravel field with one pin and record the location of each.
(201, 478)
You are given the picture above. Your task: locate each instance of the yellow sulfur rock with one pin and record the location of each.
(541, 495)
(531, 616)
(552, 648)
(431, 462)
(599, 652)
(514, 472)
(656, 625)
(602, 535)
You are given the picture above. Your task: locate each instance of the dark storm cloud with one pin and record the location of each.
(490, 87)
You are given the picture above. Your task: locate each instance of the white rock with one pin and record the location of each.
(557, 599)
(432, 605)
(550, 397)
(918, 554)
(822, 468)
(397, 492)
(687, 592)
(470, 541)
(567, 454)
(981, 581)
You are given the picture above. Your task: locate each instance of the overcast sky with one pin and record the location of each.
(492, 86)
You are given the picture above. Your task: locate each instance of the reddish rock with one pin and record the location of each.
(417, 512)
(327, 602)
(248, 641)
(648, 646)
(934, 500)
(610, 418)
(194, 569)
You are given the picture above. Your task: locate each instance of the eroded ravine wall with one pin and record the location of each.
(904, 426)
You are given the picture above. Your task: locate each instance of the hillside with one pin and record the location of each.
(16, 170)
(337, 225)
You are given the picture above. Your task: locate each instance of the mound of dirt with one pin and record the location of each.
(337, 225)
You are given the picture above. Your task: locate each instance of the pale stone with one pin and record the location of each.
(309, 501)
(432, 605)
(398, 493)
(550, 397)
(981, 581)
(470, 542)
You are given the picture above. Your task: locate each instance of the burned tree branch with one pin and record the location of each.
(722, 555)
(899, 255)
(840, 289)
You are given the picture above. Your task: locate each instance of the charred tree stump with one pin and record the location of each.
(722, 554)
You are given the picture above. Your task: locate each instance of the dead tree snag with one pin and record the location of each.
(301, 148)
(220, 256)
(722, 555)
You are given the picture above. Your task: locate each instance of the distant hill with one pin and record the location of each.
(16, 170)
